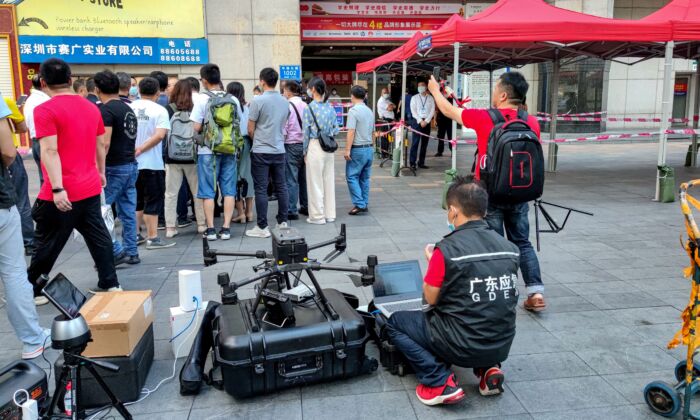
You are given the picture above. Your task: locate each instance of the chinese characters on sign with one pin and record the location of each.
(335, 77)
(378, 9)
(35, 49)
(348, 28)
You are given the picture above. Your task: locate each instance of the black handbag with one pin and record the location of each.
(328, 143)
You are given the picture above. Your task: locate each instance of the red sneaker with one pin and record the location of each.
(449, 393)
(491, 382)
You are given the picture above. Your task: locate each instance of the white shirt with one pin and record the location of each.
(422, 107)
(199, 112)
(36, 98)
(383, 108)
(150, 116)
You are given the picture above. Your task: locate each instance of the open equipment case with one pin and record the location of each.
(278, 339)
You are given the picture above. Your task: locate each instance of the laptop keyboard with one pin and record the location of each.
(410, 305)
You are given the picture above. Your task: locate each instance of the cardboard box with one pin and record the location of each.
(179, 320)
(117, 321)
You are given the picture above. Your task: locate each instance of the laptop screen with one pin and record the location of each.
(398, 278)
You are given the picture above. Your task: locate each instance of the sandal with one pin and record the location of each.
(239, 219)
(535, 303)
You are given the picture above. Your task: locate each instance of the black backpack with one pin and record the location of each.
(513, 166)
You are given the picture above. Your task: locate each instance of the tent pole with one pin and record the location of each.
(455, 81)
(490, 85)
(399, 137)
(666, 104)
(554, 105)
(374, 94)
(696, 111)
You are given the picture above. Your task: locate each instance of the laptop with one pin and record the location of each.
(64, 296)
(398, 286)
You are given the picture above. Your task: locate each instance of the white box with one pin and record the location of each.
(179, 320)
(190, 287)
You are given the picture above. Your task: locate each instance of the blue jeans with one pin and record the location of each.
(296, 177)
(517, 227)
(121, 190)
(21, 183)
(357, 173)
(216, 168)
(409, 332)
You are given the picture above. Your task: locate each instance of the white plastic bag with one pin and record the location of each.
(108, 218)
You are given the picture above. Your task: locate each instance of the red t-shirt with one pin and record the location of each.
(76, 122)
(480, 121)
(435, 275)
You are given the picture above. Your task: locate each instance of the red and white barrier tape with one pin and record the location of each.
(614, 119)
(584, 114)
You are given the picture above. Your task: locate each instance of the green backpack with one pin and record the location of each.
(222, 124)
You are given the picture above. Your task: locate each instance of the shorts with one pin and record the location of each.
(216, 168)
(150, 191)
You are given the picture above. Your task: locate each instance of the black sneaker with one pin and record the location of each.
(210, 234)
(225, 234)
(120, 259)
(140, 239)
(184, 223)
(292, 217)
(424, 167)
(133, 260)
(304, 211)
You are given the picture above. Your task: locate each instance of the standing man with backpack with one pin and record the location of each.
(216, 114)
(122, 169)
(268, 114)
(510, 162)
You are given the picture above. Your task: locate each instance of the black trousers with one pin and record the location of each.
(266, 167)
(53, 229)
(421, 139)
(444, 132)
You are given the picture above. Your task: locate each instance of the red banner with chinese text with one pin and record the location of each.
(342, 28)
(335, 77)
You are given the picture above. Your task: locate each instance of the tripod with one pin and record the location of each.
(554, 227)
(73, 363)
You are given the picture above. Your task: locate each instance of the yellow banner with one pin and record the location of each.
(112, 18)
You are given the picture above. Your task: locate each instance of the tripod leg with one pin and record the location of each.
(537, 225)
(77, 411)
(116, 403)
(60, 391)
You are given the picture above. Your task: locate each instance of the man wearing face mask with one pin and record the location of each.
(423, 110)
(385, 111)
(508, 96)
(470, 287)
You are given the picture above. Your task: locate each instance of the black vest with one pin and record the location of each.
(7, 188)
(473, 321)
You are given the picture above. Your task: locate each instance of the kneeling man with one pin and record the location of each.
(470, 286)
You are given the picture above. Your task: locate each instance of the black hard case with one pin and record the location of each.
(316, 349)
(126, 384)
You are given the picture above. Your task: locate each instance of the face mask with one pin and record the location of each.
(334, 93)
(309, 93)
(421, 89)
(450, 224)
(133, 91)
(386, 96)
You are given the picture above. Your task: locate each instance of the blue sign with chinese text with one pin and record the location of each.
(425, 43)
(290, 72)
(111, 50)
(339, 115)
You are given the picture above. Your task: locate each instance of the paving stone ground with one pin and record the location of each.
(614, 288)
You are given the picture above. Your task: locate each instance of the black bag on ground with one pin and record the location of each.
(316, 349)
(390, 357)
(513, 167)
(192, 372)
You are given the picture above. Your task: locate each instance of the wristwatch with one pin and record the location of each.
(57, 190)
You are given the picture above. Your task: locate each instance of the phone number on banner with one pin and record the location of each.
(113, 50)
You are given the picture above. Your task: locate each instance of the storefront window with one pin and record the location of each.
(580, 91)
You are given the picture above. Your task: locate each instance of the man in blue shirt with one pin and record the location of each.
(359, 151)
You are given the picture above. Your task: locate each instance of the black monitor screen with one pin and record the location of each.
(64, 295)
(398, 278)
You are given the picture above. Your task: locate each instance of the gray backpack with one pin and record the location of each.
(181, 139)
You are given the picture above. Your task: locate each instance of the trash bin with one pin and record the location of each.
(667, 184)
(450, 176)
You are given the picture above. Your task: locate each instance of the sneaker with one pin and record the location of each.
(40, 300)
(157, 243)
(140, 239)
(33, 351)
(316, 222)
(133, 260)
(304, 211)
(184, 223)
(171, 233)
(491, 382)
(101, 290)
(449, 393)
(225, 234)
(120, 259)
(330, 220)
(282, 225)
(292, 217)
(256, 232)
(424, 167)
(210, 234)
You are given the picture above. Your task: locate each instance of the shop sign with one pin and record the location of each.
(425, 43)
(290, 72)
(91, 50)
(309, 8)
(335, 77)
(474, 8)
(366, 29)
(112, 18)
(680, 88)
